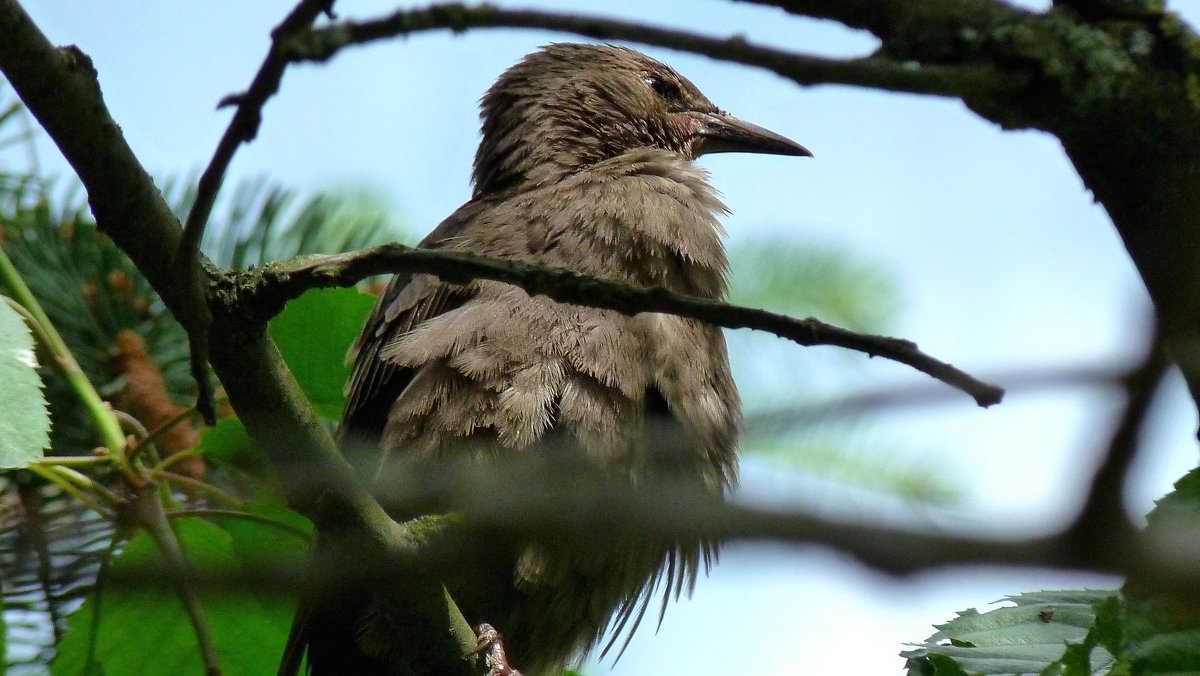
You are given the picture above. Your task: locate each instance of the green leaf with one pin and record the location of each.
(1161, 624)
(24, 419)
(1048, 632)
(313, 333)
(143, 629)
(230, 446)
(228, 443)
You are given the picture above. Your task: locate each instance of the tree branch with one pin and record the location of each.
(890, 18)
(596, 511)
(266, 291)
(876, 72)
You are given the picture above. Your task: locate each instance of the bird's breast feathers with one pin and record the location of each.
(502, 369)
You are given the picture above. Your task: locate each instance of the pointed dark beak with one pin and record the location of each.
(723, 133)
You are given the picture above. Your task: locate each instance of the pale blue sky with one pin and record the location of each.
(1002, 261)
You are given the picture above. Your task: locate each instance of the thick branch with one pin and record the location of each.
(281, 281)
(597, 511)
(890, 18)
(877, 72)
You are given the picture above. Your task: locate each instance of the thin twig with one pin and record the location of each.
(200, 486)
(50, 473)
(90, 663)
(248, 116)
(284, 280)
(152, 517)
(242, 129)
(767, 421)
(153, 435)
(246, 516)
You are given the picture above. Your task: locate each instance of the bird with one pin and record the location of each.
(585, 162)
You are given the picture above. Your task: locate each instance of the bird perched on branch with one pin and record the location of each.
(585, 163)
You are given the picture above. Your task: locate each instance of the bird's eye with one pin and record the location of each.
(659, 86)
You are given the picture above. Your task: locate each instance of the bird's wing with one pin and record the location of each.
(375, 383)
(409, 300)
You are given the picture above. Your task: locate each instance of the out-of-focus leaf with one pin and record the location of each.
(1034, 636)
(313, 333)
(143, 629)
(24, 419)
(850, 462)
(803, 279)
(227, 443)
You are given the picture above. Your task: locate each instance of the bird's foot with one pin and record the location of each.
(492, 647)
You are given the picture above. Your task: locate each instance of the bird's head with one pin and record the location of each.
(569, 106)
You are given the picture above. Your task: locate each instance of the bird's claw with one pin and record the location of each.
(491, 646)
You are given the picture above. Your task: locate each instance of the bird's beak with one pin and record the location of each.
(724, 133)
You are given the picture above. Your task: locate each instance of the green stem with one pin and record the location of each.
(98, 409)
(73, 460)
(50, 474)
(85, 482)
(196, 484)
(153, 518)
(166, 462)
(90, 665)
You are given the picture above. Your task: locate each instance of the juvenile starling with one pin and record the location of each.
(585, 163)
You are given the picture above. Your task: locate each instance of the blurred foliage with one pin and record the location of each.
(249, 621)
(839, 453)
(813, 279)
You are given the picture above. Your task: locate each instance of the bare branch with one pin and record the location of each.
(267, 290)
(876, 72)
(925, 396)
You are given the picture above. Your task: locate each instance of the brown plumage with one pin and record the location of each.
(585, 162)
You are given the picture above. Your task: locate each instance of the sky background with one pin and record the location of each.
(1001, 263)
